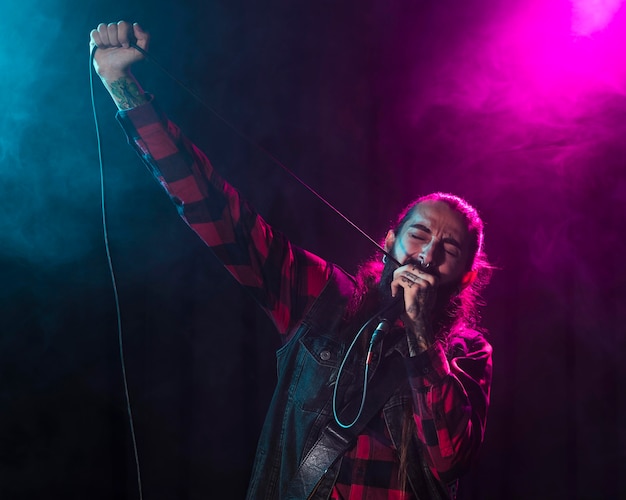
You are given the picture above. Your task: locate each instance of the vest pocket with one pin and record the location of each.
(321, 358)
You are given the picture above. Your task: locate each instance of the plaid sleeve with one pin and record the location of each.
(283, 278)
(450, 401)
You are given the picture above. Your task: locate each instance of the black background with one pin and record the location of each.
(372, 103)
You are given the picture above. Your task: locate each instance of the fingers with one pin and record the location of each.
(418, 290)
(115, 55)
(116, 35)
(95, 39)
(115, 32)
(411, 276)
(141, 36)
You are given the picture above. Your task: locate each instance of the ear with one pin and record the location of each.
(467, 279)
(390, 239)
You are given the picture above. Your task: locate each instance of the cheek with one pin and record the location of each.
(401, 248)
(410, 246)
(452, 270)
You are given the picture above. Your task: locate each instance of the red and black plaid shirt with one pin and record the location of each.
(450, 398)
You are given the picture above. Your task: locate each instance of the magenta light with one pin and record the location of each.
(528, 63)
(589, 16)
(557, 47)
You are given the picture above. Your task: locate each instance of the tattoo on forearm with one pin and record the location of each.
(417, 344)
(127, 93)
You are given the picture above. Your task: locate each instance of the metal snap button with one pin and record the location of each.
(325, 355)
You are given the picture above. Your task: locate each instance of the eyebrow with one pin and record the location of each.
(448, 239)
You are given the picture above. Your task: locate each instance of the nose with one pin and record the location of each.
(428, 255)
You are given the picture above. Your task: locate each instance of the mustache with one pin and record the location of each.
(384, 284)
(420, 265)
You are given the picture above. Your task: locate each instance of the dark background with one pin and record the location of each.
(372, 103)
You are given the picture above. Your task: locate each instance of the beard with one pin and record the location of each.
(374, 295)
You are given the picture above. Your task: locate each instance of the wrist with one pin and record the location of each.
(419, 337)
(124, 90)
(417, 344)
(111, 74)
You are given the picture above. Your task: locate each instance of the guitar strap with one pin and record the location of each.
(335, 440)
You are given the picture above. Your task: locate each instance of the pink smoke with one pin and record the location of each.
(590, 16)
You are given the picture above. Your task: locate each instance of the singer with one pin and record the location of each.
(429, 373)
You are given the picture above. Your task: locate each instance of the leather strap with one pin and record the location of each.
(334, 440)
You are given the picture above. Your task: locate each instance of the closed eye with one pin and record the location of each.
(451, 247)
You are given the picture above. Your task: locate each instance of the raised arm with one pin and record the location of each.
(283, 278)
(114, 58)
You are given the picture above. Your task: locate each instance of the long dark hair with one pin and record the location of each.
(461, 315)
(461, 312)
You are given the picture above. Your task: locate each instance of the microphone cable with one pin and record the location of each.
(381, 329)
(276, 161)
(263, 150)
(113, 280)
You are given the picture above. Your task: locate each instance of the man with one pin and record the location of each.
(399, 414)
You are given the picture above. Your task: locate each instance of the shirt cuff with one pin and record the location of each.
(429, 367)
(139, 116)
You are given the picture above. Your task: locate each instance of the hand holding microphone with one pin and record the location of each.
(417, 286)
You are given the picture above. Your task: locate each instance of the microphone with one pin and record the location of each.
(388, 317)
(382, 328)
(395, 306)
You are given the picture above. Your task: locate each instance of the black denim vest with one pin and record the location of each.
(302, 403)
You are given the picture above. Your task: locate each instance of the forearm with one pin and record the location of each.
(449, 428)
(450, 401)
(283, 278)
(125, 90)
(419, 336)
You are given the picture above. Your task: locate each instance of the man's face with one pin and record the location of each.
(434, 233)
